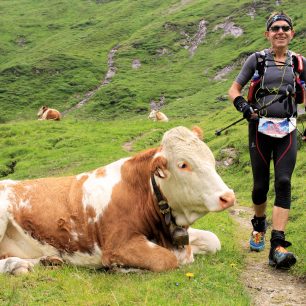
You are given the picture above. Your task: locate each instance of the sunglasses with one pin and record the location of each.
(277, 28)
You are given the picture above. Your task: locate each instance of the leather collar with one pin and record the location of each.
(179, 234)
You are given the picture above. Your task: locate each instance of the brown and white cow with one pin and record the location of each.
(46, 113)
(157, 115)
(113, 216)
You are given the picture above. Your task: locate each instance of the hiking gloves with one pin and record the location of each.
(242, 106)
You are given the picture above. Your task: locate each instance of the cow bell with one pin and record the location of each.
(180, 236)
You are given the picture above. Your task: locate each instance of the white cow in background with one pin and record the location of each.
(157, 115)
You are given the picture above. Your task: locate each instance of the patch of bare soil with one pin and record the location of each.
(222, 73)
(136, 64)
(128, 146)
(198, 38)
(191, 43)
(228, 157)
(267, 285)
(229, 28)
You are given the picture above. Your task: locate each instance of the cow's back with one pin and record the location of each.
(161, 117)
(52, 114)
(63, 212)
(50, 210)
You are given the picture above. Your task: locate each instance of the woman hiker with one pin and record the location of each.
(277, 84)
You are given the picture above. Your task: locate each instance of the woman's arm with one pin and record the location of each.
(234, 91)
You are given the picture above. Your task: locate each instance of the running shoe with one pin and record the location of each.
(280, 258)
(257, 241)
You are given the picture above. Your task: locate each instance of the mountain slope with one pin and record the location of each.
(54, 52)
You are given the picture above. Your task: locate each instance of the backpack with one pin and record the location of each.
(255, 90)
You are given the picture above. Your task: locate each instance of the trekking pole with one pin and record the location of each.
(218, 132)
(257, 111)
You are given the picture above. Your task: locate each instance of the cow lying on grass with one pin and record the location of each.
(157, 115)
(135, 212)
(46, 113)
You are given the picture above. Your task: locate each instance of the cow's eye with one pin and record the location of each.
(183, 166)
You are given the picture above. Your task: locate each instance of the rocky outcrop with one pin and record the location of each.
(229, 28)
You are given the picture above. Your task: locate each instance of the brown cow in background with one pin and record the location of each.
(46, 113)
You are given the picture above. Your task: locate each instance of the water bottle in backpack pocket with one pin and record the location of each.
(254, 86)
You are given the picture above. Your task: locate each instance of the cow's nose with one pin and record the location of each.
(227, 199)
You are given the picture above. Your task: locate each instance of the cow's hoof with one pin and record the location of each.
(51, 261)
(17, 266)
(184, 255)
(21, 270)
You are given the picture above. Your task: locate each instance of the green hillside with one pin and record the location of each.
(53, 52)
(118, 55)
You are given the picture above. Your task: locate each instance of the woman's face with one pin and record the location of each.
(279, 37)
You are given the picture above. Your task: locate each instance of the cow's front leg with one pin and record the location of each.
(139, 252)
(184, 255)
(203, 242)
(17, 266)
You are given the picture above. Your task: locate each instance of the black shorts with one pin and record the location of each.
(283, 151)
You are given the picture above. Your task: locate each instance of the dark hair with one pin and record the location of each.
(275, 16)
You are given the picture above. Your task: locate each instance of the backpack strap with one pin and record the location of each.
(260, 62)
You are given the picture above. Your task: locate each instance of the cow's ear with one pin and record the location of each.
(198, 131)
(159, 167)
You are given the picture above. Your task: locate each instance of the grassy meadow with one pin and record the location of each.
(54, 52)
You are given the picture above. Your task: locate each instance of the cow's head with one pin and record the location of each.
(42, 110)
(185, 172)
(152, 114)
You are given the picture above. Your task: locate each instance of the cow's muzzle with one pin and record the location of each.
(227, 200)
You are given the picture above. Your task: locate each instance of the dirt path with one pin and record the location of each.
(266, 285)
(129, 145)
(107, 78)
